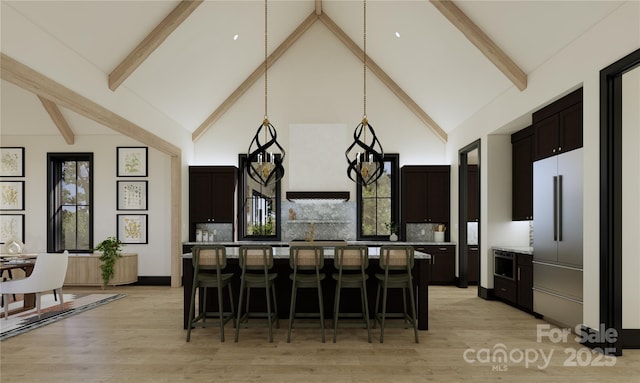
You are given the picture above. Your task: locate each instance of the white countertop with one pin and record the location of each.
(281, 252)
(285, 244)
(515, 249)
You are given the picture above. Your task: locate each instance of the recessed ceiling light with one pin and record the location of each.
(235, 37)
(398, 34)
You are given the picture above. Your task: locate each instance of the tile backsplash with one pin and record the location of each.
(216, 232)
(421, 232)
(331, 219)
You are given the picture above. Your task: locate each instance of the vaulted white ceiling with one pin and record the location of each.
(200, 64)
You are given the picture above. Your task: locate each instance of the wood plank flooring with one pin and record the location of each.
(140, 339)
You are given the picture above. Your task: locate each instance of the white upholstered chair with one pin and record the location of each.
(48, 273)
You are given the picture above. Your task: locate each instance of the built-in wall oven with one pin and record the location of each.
(504, 264)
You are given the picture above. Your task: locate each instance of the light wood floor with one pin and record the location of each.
(140, 339)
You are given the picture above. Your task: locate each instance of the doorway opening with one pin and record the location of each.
(469, 265)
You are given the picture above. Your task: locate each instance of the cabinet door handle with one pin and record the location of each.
(518, 274)
(442, 248)
(433, 259)
(503, 289)
(473, 248)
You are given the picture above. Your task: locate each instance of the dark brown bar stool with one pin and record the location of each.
(206, 260)
(256, 261)
(397, 263)
(351, 263)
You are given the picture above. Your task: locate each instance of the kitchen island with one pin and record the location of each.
(350, 299)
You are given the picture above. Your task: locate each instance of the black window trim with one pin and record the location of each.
(53, 158)
(394, 158)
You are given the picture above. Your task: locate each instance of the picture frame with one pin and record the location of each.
(11, 195)
(11, 161)
(132, 228)
(132, 195)
(11, 227)
(132, 161)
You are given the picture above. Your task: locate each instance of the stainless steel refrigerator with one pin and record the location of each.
(557, 238)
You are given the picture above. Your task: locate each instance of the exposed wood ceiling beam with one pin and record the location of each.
(395, 88)
(490, 49)
(318, 7)
(42, 86)
(58, 120)
(151, 42)
(253, 77)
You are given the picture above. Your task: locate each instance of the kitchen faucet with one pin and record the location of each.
(308, 236)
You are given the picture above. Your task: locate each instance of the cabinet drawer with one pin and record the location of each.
(438, 249)
(504, 289)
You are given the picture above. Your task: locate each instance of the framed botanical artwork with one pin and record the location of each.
(132, 161)
(11, 227)
(11, 162)
(132, 195)
(11, 195)
(132, 228)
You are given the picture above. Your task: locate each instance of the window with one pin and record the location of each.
(259, 207)
(378, 203)
(70, 202)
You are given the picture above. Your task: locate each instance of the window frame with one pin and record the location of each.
(54, 236)
(242, 198)
(394, 159)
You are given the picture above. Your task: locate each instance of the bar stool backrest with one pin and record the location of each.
(255, 257)
(209, 257)
(396, 257)
(306, 257)
(351, 257)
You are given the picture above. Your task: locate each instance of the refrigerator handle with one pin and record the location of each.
(555, 208)
(560, 197)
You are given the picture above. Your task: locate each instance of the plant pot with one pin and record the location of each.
(393, 237)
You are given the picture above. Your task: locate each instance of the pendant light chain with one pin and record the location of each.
(365, 157)
(265, 159)
(265, 61)
(364, 71)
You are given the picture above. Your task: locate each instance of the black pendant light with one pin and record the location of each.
(365, 159)
(264, 158)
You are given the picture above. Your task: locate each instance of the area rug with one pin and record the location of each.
(50, 312)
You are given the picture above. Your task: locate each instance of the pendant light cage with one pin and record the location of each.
(265, 158)
(365, 158)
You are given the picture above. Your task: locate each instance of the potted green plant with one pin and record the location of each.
(393, 231)
(110, 249)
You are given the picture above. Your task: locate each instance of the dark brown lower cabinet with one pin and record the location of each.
(443, 263)
(472, 273)
(517, 291)
(524, 279)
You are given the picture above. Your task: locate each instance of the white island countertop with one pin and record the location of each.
(281, 252)
(285, 244)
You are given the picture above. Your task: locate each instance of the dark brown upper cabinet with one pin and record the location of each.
(522, 175)
(558, 126)
(425, 194)
(211, 195)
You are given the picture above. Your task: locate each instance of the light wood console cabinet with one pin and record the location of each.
(84, 270)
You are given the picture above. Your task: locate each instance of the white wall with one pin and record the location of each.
(154, 257)
(35, 48)
(577, 64)
(630, 199)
